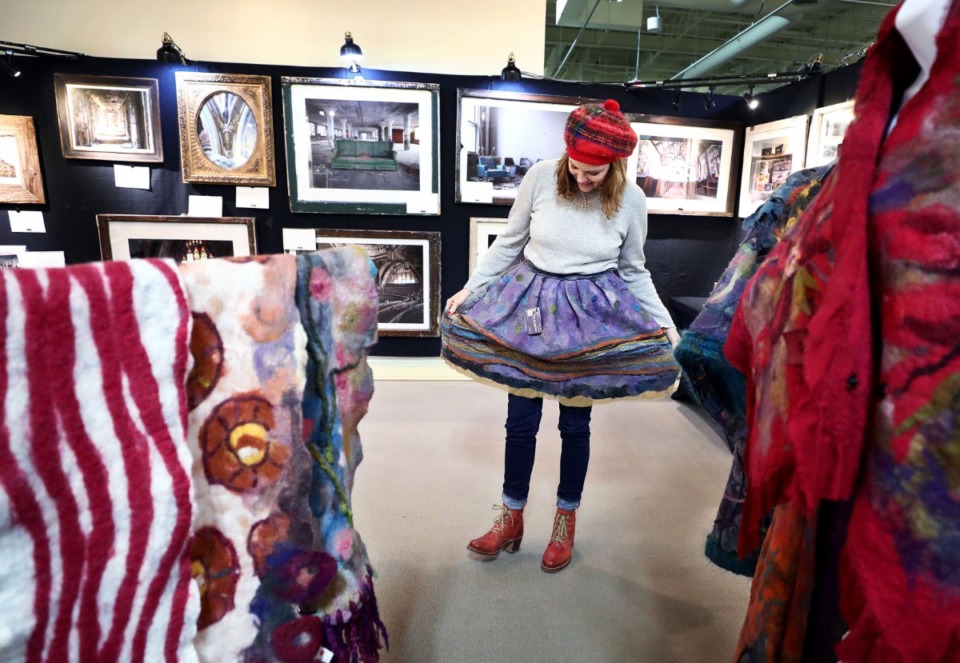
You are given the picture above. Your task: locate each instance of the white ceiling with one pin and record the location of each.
(760, 37)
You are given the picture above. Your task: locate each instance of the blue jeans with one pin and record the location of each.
(523, 423)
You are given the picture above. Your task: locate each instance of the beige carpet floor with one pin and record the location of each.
(639, 588)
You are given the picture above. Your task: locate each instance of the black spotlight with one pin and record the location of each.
(752, 101)
(708, 102)
(6, 63)
(676, 102)
(169, 52)
(350, 54)
(511, 72)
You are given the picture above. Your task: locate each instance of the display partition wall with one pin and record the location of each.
(686, 252)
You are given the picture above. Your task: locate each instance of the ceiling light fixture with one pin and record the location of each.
(676, 101)
(752, 101)
(653, 22)
(511, 72)
(708, 102)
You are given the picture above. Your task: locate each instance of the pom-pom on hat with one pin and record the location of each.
(597, 135)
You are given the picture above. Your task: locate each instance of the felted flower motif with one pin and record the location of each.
(298, 640)
(301, 576)
(264, 535)
(238, 452)
(214, 567)
(206, 347)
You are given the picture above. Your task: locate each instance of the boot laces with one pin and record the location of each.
(559, 529)
(502, 515)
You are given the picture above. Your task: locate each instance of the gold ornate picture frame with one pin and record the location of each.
(226, 129)
(110, 118)
(21, 181)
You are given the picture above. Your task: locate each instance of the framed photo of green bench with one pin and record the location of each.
(361, 147)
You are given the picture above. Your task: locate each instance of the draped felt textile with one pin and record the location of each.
(719, 387)
(848, 336)
(95, 494)
(596, 341)
(281, 569)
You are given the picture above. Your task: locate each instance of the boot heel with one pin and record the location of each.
(513, 546)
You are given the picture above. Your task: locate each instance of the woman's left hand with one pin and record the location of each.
(672, 335)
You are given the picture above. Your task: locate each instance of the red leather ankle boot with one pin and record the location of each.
(506, 533)
(560, 549)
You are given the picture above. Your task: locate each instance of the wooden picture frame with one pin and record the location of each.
(686, 166)
(408, 273)
(181, 238)
(483, 231)
(362, 147)
(109, 118)
(500, 135)
(226, 129)
(21, 181)
(827, 129)
(771, 152)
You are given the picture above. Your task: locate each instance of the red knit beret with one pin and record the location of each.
(597, 134)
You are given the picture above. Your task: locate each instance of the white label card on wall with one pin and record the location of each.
(131, 177)
(205, 206)
(43, 259)
(425, 203)
(26, 222)
(253, 196)
(299, 239)
(476, 192)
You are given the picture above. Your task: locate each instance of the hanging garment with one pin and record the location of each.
(720, 388)
(279, 384)
(848, 337)
(96, 502)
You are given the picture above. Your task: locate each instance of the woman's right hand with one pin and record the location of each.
(454, 302)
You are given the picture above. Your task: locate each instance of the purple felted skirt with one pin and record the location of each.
(576, 339)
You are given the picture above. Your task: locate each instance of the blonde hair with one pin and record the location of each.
(611, 189)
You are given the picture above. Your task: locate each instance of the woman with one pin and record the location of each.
(562, 307)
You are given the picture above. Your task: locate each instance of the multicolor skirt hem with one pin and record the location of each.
(594, 342)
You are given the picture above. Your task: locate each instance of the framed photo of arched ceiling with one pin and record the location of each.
(226, 129)
(362, 147)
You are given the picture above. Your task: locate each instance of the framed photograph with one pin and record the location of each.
(226, 129)
(685, 166)
(109, 118)
(11, 255)
(500, 135)
(827, 129)
(20, 178)
(408, 273)
(362, 147)
(182, 238)
(483, 232)
(771, 152)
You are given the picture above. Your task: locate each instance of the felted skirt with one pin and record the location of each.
(577, 339)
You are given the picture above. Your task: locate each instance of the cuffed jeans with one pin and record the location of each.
(523, 423)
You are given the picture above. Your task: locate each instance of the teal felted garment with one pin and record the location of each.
(719, 387)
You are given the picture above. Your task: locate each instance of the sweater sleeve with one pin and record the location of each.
(514, 237)
(633, 270)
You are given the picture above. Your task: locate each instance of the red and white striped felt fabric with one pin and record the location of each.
(96, 506)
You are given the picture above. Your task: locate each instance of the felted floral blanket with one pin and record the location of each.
(167, 515)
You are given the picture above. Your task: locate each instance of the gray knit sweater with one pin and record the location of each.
(566, 238)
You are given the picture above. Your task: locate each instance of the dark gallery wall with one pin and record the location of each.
(685, 254)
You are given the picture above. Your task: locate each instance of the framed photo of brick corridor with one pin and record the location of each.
(408, 273)
(361, 147)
